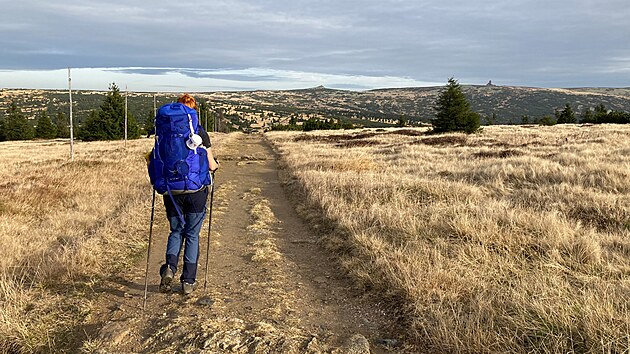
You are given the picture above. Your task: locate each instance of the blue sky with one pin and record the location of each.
(245, 45)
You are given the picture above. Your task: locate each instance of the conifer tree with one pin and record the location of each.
(587, 116)
(45, 128)
(525, 119)
(95, 128)
(206, 116)
(202, 113)
(600, 113)
(566, 115)
(62, 123)
(133, 129)
(149, 118)
(16, 127)
(108, 123)
(3, 134)
(453, 111)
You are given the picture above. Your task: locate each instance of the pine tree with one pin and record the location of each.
(206, 116)
(149, 122)
(95, 128)
(202, 113)
(108, 123)
(3, 135)
(587, 116)
(16, 126)
(453, 111)
(566, 115)
(62, 123)
(547, 120)
(112, 114)
(45, 128)
(133, 129)
(600, 113)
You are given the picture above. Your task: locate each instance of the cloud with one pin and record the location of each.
(175, 79)
(525, 42)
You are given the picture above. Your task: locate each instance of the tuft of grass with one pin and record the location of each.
(265, 251)
(263, 247)
(509, 241)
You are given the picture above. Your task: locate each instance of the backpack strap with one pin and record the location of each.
(179, 213)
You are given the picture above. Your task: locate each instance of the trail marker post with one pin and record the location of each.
(126, 93)
(71, 130)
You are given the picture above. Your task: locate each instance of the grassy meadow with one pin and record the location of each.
(62, 225)
(513, 240)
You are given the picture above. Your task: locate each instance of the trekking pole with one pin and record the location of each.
(146, 273)
(205, 281)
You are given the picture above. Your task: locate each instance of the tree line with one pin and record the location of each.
(597, 115)
(15, 126)
(105, 123)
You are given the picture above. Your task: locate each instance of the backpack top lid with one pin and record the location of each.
(175, 106)
(176, 111)
(178, 120)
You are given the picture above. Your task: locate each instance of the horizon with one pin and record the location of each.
(99, 79)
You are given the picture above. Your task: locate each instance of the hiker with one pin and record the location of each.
(185, 199)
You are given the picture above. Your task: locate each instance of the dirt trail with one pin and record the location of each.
(271, 288)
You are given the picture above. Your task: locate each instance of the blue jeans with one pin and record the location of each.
(188, 235)
(193, 209)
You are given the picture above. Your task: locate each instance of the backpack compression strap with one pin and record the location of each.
(179, 213)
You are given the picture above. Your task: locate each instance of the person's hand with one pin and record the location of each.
(214, 165)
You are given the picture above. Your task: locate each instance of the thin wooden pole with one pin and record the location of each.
(71, 128)
(126, 94)
(154, 106)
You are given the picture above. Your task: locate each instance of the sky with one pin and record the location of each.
(346, 44)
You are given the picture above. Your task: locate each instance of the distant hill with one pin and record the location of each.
(373, 107)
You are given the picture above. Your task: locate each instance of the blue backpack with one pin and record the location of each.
(176, 163)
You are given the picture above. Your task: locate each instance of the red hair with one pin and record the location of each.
(188, 100)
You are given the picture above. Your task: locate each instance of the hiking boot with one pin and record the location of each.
(167, 278)
(187, 288)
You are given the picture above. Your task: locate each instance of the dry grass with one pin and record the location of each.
(513, 240)
(264, 248)
(62, 225)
